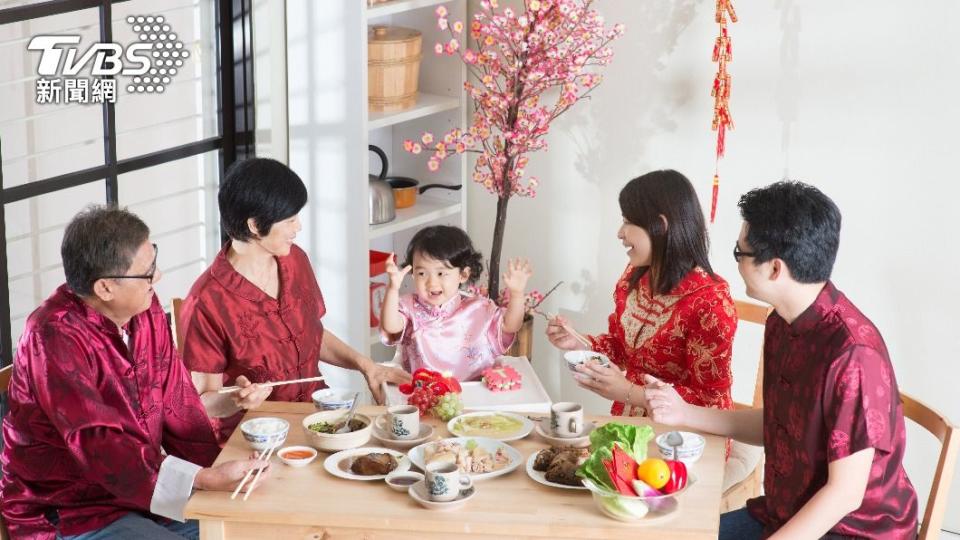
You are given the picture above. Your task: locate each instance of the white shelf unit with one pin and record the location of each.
(330, 128)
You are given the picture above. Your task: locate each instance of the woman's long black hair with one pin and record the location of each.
(679, 245)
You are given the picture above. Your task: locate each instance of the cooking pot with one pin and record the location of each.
(382, 204)
(405, 190)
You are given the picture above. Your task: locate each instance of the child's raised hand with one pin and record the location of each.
(517, 275)
(396, 275)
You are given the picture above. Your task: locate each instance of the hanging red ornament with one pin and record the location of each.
(722, 53)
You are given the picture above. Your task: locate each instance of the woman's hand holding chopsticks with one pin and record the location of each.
(249, 395)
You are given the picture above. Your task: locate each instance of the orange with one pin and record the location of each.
(654, 472)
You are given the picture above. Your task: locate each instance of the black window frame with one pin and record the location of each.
(235, 94)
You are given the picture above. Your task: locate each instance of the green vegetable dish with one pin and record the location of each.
(632, 439)
(327, 427)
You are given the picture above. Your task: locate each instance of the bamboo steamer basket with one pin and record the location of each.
(393, 64)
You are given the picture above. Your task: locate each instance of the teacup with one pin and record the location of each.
(445, 482)
(566, 419)
(403, 422)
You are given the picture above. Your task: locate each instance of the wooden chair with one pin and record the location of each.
(946, 432)
(5, 374)
(736, 496)
(175, 306)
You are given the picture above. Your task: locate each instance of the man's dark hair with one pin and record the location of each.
(794, 222)
(100, 241)
(449, 245)
(677, 247)
(259, 188)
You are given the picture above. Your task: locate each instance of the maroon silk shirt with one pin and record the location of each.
(88, 417)
(234, 328)
(829, 391)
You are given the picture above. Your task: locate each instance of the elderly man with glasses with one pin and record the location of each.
(106, 436)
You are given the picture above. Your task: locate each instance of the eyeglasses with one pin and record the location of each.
(149, 277)
(737, 254)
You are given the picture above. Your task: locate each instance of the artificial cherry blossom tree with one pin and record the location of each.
(526, 69)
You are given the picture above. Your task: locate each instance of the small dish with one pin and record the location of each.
(575, 358)
(265, 432)
(689, 452)
(541, 477)
(381, 434)
(458, 428)
(339, 464)
(418, 492)
(288, 455)
(334, 442)
(580, 441)
(328, 399)
(403, 480)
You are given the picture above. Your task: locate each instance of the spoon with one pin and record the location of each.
(353, 410)
(674, 439)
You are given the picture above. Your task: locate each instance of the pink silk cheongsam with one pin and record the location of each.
(89, 415)
(233, 327)
(462, 337)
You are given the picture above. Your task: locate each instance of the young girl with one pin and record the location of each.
(439, 326)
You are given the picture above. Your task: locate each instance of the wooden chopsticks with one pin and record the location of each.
(265, 455)
(231, 389)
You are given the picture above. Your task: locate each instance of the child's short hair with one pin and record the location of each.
(447, 244)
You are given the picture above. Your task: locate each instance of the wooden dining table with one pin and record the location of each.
(310, 503)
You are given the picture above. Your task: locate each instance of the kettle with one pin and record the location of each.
(382, 205)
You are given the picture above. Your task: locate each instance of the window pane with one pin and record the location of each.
(186, 110)
(34, 230)
(178, 201)
(36, 143)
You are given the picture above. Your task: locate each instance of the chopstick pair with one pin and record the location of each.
(576, 335)
(265, 456)
(231, 389)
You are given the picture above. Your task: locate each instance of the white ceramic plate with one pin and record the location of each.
(582, 440)
(455, 428)
(382, 435)
(418, 492)
(416, 455)
(339, 464)
(541, 477)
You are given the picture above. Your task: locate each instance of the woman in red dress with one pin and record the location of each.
(674, 318)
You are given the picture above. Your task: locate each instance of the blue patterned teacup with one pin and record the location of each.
(445, 482)
(403, 422)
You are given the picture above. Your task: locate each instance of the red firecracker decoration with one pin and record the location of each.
(722, 53)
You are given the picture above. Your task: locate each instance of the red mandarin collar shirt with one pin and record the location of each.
(684, 337)
(234, 328)
(88, 416)
(829, 391)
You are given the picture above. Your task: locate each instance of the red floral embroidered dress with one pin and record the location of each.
(684, 338)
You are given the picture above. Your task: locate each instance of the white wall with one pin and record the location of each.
(860, 99)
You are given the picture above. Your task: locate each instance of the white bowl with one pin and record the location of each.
(575, 358)
(331, 442)
(328, 399)
(401, 481)
(689, 452)
(297, 462)
(265, 432)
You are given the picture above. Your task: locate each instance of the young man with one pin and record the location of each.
(97, 390)
(832, 424)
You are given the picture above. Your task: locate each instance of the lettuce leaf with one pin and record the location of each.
(632, 439)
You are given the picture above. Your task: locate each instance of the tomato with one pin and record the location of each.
(678, 476)
(654, 472)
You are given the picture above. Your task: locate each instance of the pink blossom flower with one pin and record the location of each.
(408, 145)
(433, 165)
(458, 27)
(427, 138)
(438, 48)
(469, 56)
(441, 11)
(416, 148)
(442, 23)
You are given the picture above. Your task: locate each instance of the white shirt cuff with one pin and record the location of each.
(173, 489)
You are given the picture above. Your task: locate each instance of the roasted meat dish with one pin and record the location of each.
(560, 464)
(373, 464)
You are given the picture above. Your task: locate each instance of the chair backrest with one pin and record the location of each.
(176, 305)
(754, 313)
(946, 432)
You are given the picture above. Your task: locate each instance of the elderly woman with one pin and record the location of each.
(256, 314)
